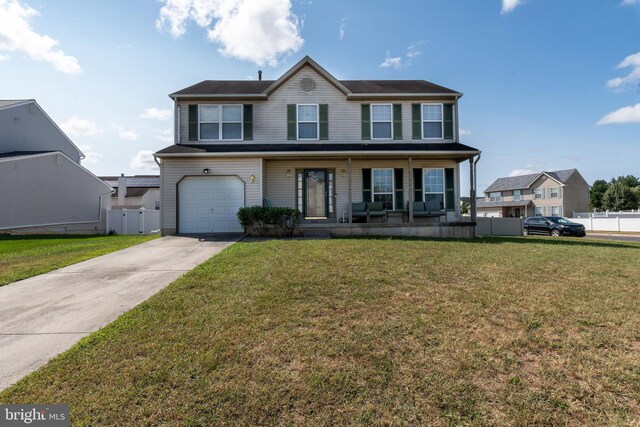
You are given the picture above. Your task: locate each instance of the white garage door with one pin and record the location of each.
(210, 204)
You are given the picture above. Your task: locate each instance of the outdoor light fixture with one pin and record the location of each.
(343, 172)
(288, 173)
(252, 178)
(206, 170)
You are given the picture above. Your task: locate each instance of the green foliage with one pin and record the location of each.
(259, 217)
(619, 197)
(598, 189)
(464, 208)
(628, 180)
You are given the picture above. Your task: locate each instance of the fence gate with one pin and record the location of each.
(133, 221)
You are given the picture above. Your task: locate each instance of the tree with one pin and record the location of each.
(619, 197)
(598, 189)
(464, 208)
(629, 180)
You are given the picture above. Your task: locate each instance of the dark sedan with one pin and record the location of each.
(552, 226)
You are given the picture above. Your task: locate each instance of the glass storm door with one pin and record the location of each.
(316, 193)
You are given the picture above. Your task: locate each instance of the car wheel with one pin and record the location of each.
(555, 232)
(525, 231)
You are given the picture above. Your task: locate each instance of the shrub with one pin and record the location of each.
(258, 217)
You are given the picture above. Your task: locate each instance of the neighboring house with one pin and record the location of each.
(557, 193)
(43, 187)
(140, 191)
(310, 141)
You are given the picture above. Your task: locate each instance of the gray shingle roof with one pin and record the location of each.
(142, 181)
(6, 102)
(489, 204)
(523, 181)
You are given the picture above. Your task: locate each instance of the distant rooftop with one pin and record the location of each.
(524, 181)
(143, 181)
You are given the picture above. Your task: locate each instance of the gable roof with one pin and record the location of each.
(264, 88)
(136, 181)
(525, 181)
(9, 102)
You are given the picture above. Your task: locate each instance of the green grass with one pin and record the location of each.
(26, 256)
(496, 331)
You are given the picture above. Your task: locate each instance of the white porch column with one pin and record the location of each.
(411, 195)
(350, 195)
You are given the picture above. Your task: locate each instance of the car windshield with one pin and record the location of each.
(559, 220)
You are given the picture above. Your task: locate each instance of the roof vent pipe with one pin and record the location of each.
(259, 75)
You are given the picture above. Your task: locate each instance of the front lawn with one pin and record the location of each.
(26, 256)
(370, 332)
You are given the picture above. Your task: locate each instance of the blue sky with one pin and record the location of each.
(548, 84)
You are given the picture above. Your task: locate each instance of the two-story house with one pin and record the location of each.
(557, 193)
(310, 141)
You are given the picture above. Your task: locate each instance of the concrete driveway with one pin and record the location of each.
(45, 315)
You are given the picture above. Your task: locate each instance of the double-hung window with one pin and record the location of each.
(495, 196)
(517, 195)
(554, 192)
(308, 121)
(538, 193)
(432, 123)
(434, 185)
(383, 187)
(539, 210)
(381, 121)
(220, 122)
(556, 210)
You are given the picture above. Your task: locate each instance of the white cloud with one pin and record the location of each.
(143, 160)
(76, 126)
(465, 132)
(343, 27)
(633, 62)
(629, 2)
(165, 135)
(16, 34)
(509, 5)
(524, 171)
(629, 114)
(392, 61)
(155, 114)
(260, 31)
(4, 57)
(413, 51)
(90, 156)
(129, 135)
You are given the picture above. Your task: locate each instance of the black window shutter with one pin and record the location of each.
(366, 121)
(193, 122)
(397, 121)
(291, 122)
(448, 121)
(247, 116)
(417, 185)
(449, 188)
(366, 185)
(398, 188)
(416, 121)
(324, 121)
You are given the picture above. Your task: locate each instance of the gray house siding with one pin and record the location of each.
(51, 189)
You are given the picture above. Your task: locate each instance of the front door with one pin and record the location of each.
(517, 212)
(316, 192)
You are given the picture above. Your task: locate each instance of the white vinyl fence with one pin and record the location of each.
(492, 226)
(609, 224)
(133, 221)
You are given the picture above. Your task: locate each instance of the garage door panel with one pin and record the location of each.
(210, 204)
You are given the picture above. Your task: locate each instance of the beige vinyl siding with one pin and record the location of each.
(175, 169)
(270, 117)
(575, 195)
(50, 189)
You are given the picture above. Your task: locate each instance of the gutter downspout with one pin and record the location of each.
(474, 179)
(456, 129)
(155, 159)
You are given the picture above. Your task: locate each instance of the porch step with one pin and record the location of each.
(316, 235)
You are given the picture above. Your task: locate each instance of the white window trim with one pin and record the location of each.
(535, 211)
(535, 193)
(393, 186)
(559, 207)
(317, 123)
(516, 197)
(422, 120)
(220, 122)
(381, 121)
(557, 196)
(495, 199)
(444, 187)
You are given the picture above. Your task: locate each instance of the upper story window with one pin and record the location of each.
(217, 122)
(517, 195)
(432, 123)
(307, 122)
(434, 185)
(554, 192)
(381, 121)
(495, 196)
(538, 193)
